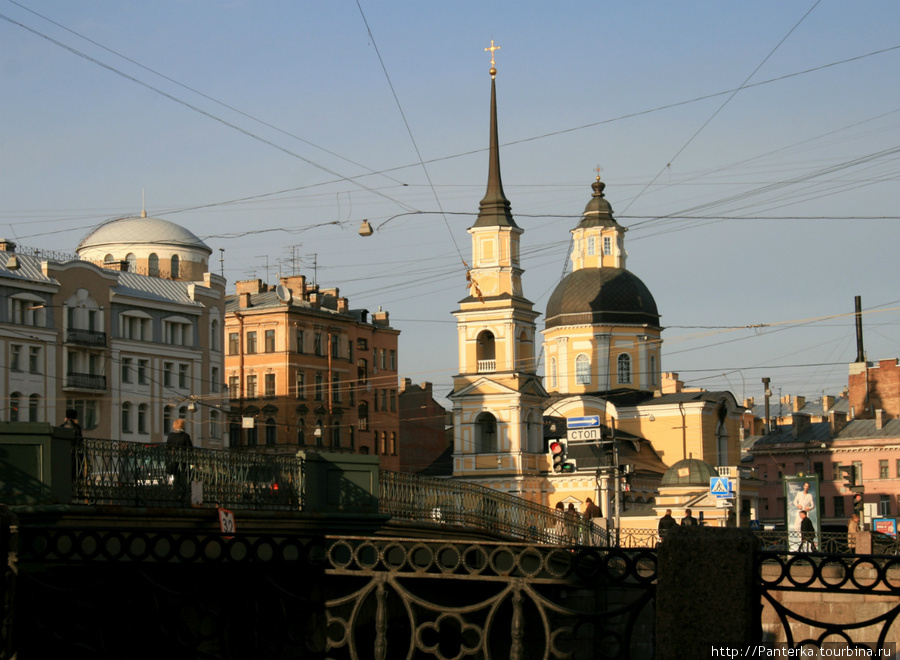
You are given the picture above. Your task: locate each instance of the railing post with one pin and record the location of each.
(705, 591)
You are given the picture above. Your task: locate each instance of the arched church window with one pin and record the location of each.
(485, 352)
(624, 368)
(153, 265)
(132, 262)
(486, 440)
(174, 268)
(582, 370)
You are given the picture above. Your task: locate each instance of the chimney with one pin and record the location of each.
(381, 318)
(7, 245)
(827, 403)
(244, 299)
(879, 418)
(748, 403)
(799, 422)
(799, 402)
(837, 421)
(249, 286)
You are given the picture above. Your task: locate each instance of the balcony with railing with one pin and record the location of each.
(85, 337)
(487, 366)
(85, 381)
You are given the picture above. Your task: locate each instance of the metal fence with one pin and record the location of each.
(130, 473)
(448, 502)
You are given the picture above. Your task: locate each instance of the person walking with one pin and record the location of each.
(177, 466)
(807, 533)
(79, 460)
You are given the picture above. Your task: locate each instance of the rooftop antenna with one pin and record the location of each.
(260, 256)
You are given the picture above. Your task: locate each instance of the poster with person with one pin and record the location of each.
(801, 494)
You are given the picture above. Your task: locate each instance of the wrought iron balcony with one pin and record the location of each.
(85, 381)
(85, 337)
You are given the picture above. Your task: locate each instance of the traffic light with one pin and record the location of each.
(849, 472)
(858, 505)
(559, 459)
(627, 473)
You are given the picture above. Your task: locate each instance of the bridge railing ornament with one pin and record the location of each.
(131, 473)
(441, 501)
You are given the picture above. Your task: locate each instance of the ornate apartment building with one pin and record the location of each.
(304, 371)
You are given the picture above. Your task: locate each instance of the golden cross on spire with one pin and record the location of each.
(492, 49)
(598, 169)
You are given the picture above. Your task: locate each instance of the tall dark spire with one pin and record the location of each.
(494, 210)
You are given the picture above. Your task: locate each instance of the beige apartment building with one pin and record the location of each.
(130, 352)
(306, 372)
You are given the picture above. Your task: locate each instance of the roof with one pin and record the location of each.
(689, 472)
(865, 428)
(155, 288)
(601, 295)
(123, 231)
(691, 396)
(598, 212)
(29, 268)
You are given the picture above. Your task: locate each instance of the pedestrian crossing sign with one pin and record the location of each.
(719, 486)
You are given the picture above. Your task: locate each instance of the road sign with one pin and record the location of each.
(583, 422)
(582, 435)
(719, 486)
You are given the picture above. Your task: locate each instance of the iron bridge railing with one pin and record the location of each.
(130, 473)
(441, 501)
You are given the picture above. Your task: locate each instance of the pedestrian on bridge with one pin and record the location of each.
(666, 523)
(689, 520)
(177, 441)
(852, 531)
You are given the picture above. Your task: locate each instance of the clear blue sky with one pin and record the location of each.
(273, 130)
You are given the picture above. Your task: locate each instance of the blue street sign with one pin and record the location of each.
(583, 422)
(719, 486)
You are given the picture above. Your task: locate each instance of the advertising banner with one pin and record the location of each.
(801, 495)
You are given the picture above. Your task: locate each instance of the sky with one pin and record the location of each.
(752, 149)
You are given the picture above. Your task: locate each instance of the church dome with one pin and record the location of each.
(142, 230)
(689, 472)
(598, 212)
(601, 296)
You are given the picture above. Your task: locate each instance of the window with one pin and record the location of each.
(183, 375)
(34, 408)
(270, 341)
(233, 344)
(132, 262)
(362, 414)
(167, 420)
(15, 357)
(87, 412)
(898, 468)
(383, 359)
(350, 350)
(270, 384)
(214, 430)
(838, 506)
(624, 368)
(836, 471)
(319, 433)
(654, 378)
(393, 359)
(233, 387)
(214, 379)
(214, 335)
(143, 411)
(336, 436)
(362, 371)
(819, 470)
(167, 374)
(153, 265)
(301, 385)
(319, 383)
(582, 370)
(857, 467)
(300, 343)
(127, 366)
(393, 400)
(135, 326)
(126, 417)
(251, 342)
(317, 344)
(383, 442)
(25, 309)
(251, 436)
(174, 267)
(884, 505)
(591, 246)
(143, 369)
(34, 360)
(271, 431)
(335, 388)
(383, 400)
(178, 332)
(335, 346)
(393, 444)
(251, 387)
(607, 245)
(882, 469)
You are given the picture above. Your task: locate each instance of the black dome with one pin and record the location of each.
(601, 295)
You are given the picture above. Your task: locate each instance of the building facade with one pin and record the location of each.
(304, 371)
(129, 352)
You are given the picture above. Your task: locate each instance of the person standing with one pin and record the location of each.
(852, 531)
(807, 533)
(79, 460)
(666, 523)
(689, 520)
(177, 466)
